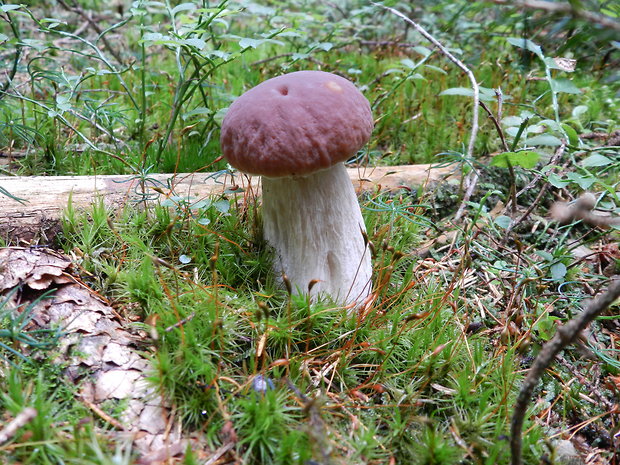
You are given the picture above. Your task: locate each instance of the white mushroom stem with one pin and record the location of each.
(315, 225)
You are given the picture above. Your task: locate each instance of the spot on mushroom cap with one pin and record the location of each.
(296, 124)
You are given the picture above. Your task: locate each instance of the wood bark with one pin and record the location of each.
(46, 197)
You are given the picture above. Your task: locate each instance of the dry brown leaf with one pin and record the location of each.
(96, 348)
(34, 267)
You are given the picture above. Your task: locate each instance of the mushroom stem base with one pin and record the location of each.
(315, 225)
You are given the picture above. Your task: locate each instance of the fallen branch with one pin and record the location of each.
(46, 197)
(564, 336)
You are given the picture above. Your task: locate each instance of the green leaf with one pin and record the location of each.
(526, 159)
(564, 85)
(558, 271)
(3, 37)
(458, 91)
(253, 43)
(222, 206)
(544, 139)
(219, 54)
(526, 44)
(38, 45)
(52, 22)
(422, 50)
(584, 181)
(409, 63)
(326, 46)
(10, 7)
(512, 121)
(436, 68)
(503, 221)
(557, 181)
(465, 92)
(183, 7)
(544, 255)
(196, 42)
(573, 138)
(63, 102)
(596, 160)
(204, 203)
(184, 259)
(11, 196)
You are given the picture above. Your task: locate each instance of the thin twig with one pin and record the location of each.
(472, 178)
(470, 181)
(217, 455)
(564, 336)
(557, 7)
(22, 419)
(181, 322)
(513, 188)
(543, 190)
(498, 128)
(554, 160)
(104, 416)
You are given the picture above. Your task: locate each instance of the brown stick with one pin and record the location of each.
(564, 336)
(24, 417)
(104, 416)
(47, 197)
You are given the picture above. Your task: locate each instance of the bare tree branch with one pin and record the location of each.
(564, 336)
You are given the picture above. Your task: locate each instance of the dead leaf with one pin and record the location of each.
(34, 267)
(96, 347)
(565, 64)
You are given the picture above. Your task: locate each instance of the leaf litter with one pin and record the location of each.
(103, 355)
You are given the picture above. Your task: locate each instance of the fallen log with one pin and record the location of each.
(45, 197)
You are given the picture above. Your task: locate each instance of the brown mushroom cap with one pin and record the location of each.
(296, 124)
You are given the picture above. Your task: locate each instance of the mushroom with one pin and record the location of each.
(296, 131)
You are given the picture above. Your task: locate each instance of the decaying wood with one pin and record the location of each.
(46, 197)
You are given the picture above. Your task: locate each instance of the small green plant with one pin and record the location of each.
(16, 338)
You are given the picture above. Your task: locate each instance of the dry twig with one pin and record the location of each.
(24, 417)
(558, 154)
(564, 336)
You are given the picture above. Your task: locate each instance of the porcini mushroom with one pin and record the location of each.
(296, 131)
